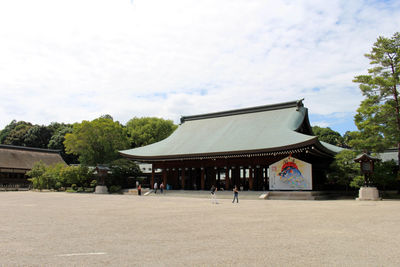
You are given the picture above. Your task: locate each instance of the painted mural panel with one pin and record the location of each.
(290, 174)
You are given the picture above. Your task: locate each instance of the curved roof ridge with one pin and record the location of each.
(291, 104)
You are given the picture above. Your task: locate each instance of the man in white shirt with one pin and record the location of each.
(155, 188)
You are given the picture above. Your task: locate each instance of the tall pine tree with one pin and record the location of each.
(378, 117)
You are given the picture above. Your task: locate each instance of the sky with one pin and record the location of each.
(74, 60)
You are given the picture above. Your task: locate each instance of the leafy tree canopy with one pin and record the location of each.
(37, 136)
(328, 135)
(344, 169)
(97, 141)
(378, 117)
(57, 141)
(148, 130)
(23, 133)
(14, 133)
(385, 174)
(121, 170)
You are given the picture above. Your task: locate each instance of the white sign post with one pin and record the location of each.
(290, 174)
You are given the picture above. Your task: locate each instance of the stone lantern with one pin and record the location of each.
(102, 172)
(367, 192)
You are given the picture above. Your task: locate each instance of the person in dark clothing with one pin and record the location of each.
(235, 194)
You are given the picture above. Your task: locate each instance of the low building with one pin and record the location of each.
(258, 148)
(389, 154)
(16, 161)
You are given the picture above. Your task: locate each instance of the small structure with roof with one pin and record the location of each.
(238, 147)
(367, 192)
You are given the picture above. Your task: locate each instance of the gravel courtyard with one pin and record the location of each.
(64, 229)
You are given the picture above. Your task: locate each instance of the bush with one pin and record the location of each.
(385, 174)
(93, 183)
(60, 176)
(115, 189)
(344, 170)
(46, 177)
(57, 186)
(357, 181)
(120, 171)
(78, 175)
(89, 190)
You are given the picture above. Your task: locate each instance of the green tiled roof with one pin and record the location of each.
(258, 129)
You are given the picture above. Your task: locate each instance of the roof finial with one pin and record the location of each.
(300, 104)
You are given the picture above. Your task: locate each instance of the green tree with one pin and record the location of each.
(384, 174)
(344, 169)
(37, 136)
(378, 117)
(145, 131)
(36, 174)
(46, 177)
(347, 139)
(78, 175)
(54, 177)
(328, 135)
(97, 141)
(121, 170)
(7, 130)
(58, 138)
(14, 133)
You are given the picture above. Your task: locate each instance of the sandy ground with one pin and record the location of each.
(62, 229)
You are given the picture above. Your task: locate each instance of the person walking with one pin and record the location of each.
(235, 194)
(214, 199)
(139, 190)
(162, 188)
(155, 188)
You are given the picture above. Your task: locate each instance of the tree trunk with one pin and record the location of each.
(395, 96)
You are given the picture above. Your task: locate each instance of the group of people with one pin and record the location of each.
(214, 199)
(156, 187)
(214, 190)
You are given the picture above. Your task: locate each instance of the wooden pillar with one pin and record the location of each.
(152, 176)
(227, 184)
(218, 179)
(202, 179)
(176, 178)
(165, 178)
(243, 178)
(250, 179)
(183, 179)
(235, 180)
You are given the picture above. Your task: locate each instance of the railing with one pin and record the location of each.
(14, 187)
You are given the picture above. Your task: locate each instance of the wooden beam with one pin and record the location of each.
(227, 184)
(250, 178)
(152, 176)
(202, 179)
(183, 179)
(165, 178)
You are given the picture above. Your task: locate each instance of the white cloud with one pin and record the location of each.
(74, 60)
(322, 124)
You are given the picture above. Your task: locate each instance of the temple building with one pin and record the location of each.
(268, 147)
(16, 161)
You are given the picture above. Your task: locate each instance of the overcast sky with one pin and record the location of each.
(75, 60)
